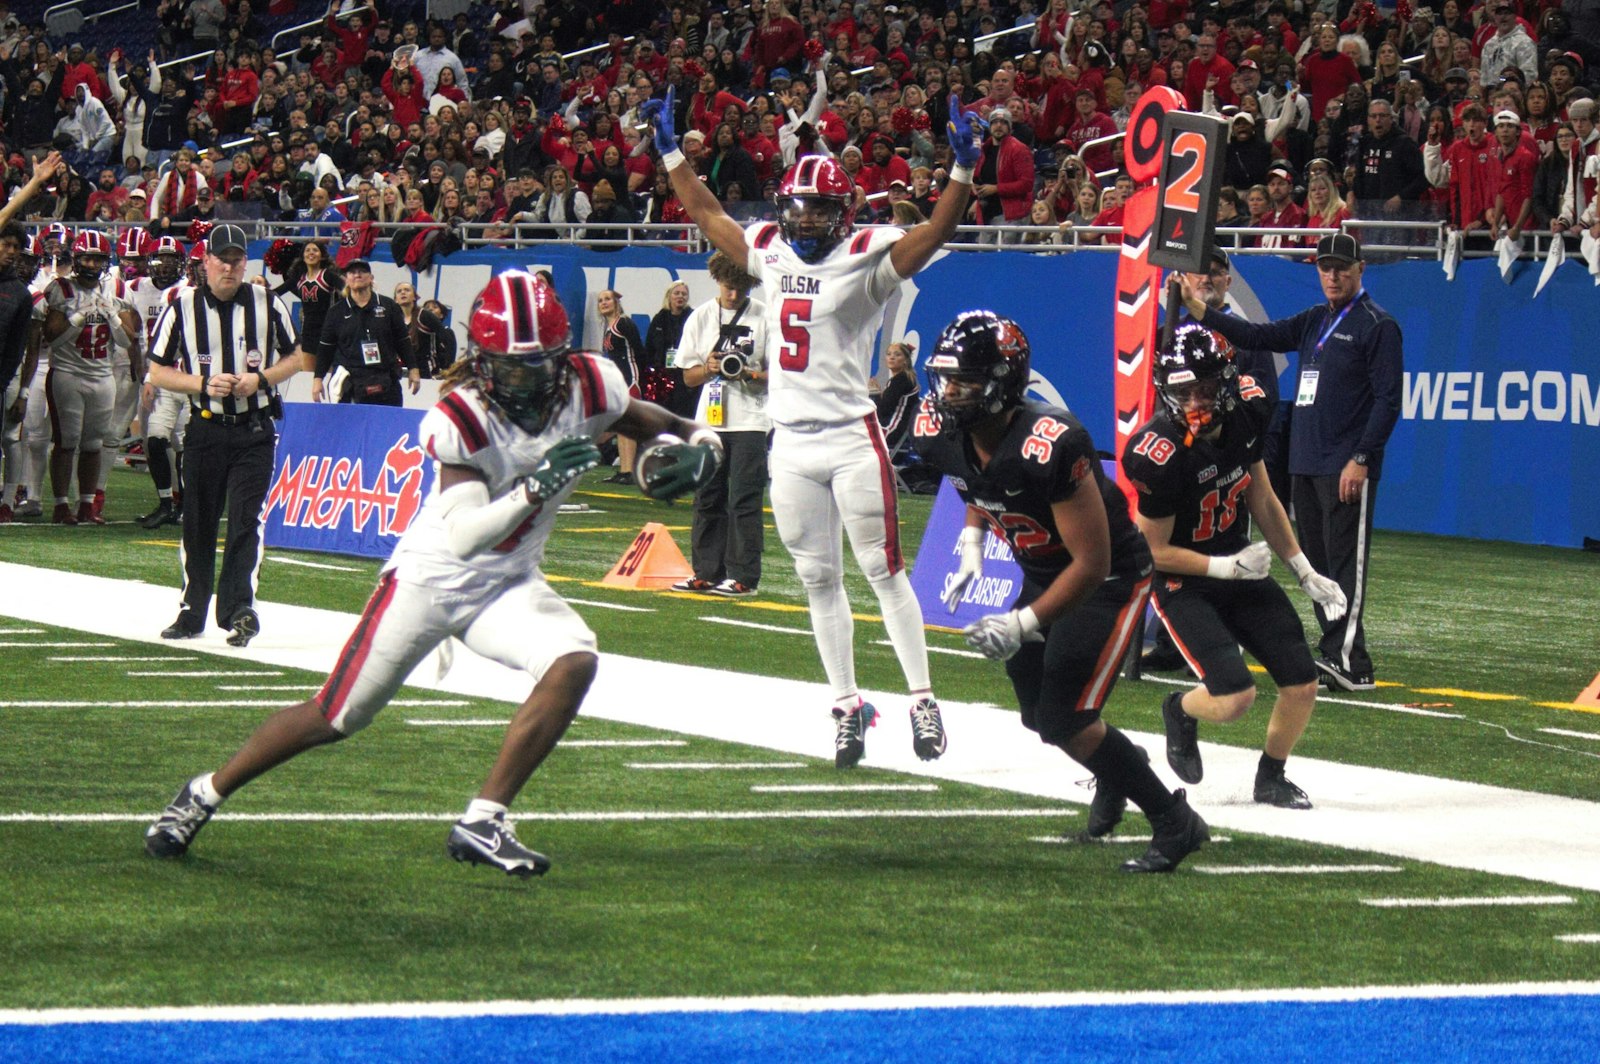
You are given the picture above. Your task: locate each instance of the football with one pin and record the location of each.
(653, 458)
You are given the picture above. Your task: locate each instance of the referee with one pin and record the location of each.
(226, 346)
(366, 342)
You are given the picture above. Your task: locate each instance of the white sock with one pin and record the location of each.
(482, 809)
(834, 629)
(902, 617)
(202, 789)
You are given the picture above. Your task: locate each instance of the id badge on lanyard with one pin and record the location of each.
(370, 355)
(1308, 388)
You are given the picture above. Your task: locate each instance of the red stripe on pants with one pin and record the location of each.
(1112, 653)
(342, 680)
(891, 514)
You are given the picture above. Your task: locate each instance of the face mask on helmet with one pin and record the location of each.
(979, 368)
(87, 269)
(518, 337)
(166, 269)
(528, 389)
(812, 225)
(1196, 378)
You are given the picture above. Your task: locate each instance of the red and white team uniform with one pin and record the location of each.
(496, 602)
(125, 403)
(79, 386)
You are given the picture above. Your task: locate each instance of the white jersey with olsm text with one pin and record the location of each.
(115, 291)
(86, 351)
(821, 320)
(463, 430)
(148, 301)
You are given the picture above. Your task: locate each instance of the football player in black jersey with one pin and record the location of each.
(1196, 465)
(1029, 473)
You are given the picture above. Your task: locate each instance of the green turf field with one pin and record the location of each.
(956, 894)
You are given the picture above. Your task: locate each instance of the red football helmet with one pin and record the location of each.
(816, 206)
(197, 263)
(53, 242)
(166, 261)
(517, 338)
(91, 253)
(132, 247)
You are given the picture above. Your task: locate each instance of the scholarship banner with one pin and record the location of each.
(347, 479)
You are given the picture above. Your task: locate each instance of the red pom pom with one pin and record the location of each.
(558, 125)
(198, 229)
(1404, 10)
(812, 49)
(693, 69)
(920, 120)
(280, 256)
(901, 118)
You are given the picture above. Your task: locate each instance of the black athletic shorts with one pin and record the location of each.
(1210, 619)
(1062, 682)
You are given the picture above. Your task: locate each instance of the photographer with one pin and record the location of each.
(724, 347)
(364, 343)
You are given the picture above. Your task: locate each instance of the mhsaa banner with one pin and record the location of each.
(348, 479)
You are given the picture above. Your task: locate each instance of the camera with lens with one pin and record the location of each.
(732, 366)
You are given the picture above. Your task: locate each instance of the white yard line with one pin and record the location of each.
(952, 651)
(567, 744)
(842, 788)
(1578, 938)
(414, 703)
(1293, 870)
(713, 766)
(68, 645)
(1571, 734)
(1464, 903)
(23, 631)
(1538, 837)
(172, 658)
(757, 625)
(210, 675)
(528, 816)
(1324, 698)
(265, 686)
(1128, 840)
(313, 565)
(831, 1003)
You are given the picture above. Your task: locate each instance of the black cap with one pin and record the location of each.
(225, 238)
(357, 266)
(1340, 246)
(1219, 257)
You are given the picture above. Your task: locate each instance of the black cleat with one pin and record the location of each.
(1107, 808)
(1278, 791)
(163, 514)
(181, 629)
(927, 729)
(494, 843)
(246, 626)
(1183, 743)
(1337, 677)
(176, 828)
(850, 735)
(1175, 835)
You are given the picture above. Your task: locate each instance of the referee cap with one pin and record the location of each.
(225, 238)
(1339, 247)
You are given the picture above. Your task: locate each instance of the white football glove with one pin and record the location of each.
(1000, 635)
(1252, 563)
(1323, 591)
(971, 566)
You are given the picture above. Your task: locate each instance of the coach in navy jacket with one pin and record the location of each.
(1347, 400)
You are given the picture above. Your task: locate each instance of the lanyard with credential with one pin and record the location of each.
(1317, 351)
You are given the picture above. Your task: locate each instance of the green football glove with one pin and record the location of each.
(669, 470)
(562, 464)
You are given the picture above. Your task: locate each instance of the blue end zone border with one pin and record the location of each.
(1552, 1029)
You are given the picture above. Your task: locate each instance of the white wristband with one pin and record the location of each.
(961, 173)
(1220, 568)
(1302, 567)
(1028, 619)
(673, 159)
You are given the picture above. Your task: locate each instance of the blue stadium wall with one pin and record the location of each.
(1499, 437)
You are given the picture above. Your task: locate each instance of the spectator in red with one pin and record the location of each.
(1517, 163)
(1469, 167)
(777, 41)
(844, 23)
(327, 67)
(1003, 93)
(1326, 71)
(1003, 183)
(762, 148)
(403, 88)
(235, 184)
(238, 93)
(354, 34)
(1325, 208)
(1091, 124)
(78, 72)
(885, 166)
(107, 192)
(1113, 201)
(1282, 211)
(709, 103)
(649, 61)
(1208, 70)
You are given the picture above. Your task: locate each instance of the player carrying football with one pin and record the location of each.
(511, 436)
(1196, 465)
(1029, 473)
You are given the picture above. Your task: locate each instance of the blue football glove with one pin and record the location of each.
(966, 131)
(562, 464)
(660, 112)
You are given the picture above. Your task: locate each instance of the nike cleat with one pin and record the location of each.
(927, 729)
(494, 843)
(176, 828)
(850, 734)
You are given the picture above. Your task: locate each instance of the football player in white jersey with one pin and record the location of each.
(514, 431)
(166, 414)
(81, 325)
(825, 288)
(52, 254)
(120, 278)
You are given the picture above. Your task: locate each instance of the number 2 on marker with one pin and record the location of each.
(1181, 195)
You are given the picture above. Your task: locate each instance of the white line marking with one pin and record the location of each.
(622, 742)
(1321, 697)
(1457, 903)
(710, 766)
(1571, 734)
(464, 723)
(1293, 870)
(215, 673)
(952, 651)
(758, 626)
(868, 1002)
(1129, 840)
(611, 606)
(264, 703)
(265, 686)
(173, 658)
(621, 816)
(23, 631)
(841, 788)
(68, 645)
(315, 565)
(1578, 938)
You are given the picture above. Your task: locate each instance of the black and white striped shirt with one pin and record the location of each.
(197, 333)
